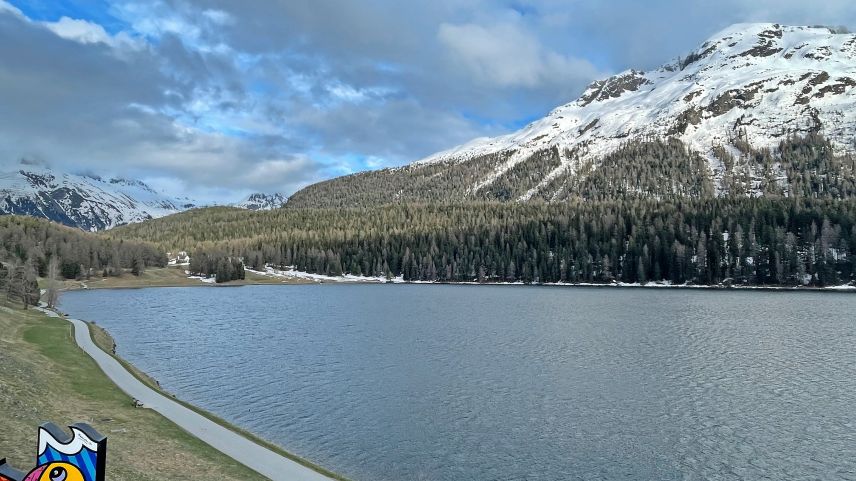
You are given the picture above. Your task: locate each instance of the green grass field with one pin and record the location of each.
(44, 376)
(163, 277)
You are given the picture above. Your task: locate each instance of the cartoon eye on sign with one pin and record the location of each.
(79, 457)
(55, 472)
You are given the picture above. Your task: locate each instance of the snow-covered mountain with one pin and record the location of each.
(87, 202)
(742, 93)
(261, 201)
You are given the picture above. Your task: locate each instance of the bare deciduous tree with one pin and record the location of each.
(52, 291)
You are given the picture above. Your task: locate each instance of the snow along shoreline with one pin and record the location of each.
(354, 279)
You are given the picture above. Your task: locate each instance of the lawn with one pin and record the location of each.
(163, 277)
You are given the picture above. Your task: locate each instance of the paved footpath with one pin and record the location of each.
(258, 458)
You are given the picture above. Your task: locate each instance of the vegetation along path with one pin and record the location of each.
(256, 457)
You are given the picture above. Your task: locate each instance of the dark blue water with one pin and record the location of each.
(392, 382)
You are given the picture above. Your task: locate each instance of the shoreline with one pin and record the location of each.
(238, 444)
(352, 279)
(170, 276)
(277, 277)
(844, 289)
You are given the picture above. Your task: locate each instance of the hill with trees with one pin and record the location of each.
(737, 240)
(733, 165)
(31, 248)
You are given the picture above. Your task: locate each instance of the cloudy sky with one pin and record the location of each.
(218, 98)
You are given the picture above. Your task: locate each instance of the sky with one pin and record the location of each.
(215, 99)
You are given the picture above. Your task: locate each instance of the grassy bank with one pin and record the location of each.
(44, 376)
(165, 277)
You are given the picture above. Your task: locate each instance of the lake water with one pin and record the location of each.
(472, 383)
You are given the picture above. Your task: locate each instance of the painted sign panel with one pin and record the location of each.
(81, 456)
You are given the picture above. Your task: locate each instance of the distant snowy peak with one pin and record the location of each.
(261, 201)
(84, 201)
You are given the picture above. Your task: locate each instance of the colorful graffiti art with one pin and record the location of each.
(60, 457)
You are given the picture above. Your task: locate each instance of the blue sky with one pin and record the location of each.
(217, 98)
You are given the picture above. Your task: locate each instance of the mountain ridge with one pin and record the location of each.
(92, 203)
(731, 104)
(262, 201)
(84, 201)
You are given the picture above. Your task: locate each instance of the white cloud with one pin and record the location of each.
(278, 173)
(506, 55)
(374, 162)
(79, 30)
(218, 17)
(348, 93)
(7, 7)
(89, 33)
(154, 20)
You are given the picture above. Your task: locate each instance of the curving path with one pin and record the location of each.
(258, 458)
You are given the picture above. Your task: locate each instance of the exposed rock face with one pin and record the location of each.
(613, 88)
(261, 201)
(87, 202)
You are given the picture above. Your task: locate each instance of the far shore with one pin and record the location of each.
(176, 276)
(172, 276)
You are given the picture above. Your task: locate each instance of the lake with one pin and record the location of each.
(479, 383)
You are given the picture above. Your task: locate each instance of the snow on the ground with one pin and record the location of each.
(291, 273)
(207, 280)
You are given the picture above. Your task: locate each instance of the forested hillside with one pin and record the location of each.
(31, 248)
(771, 241)
(803, 166)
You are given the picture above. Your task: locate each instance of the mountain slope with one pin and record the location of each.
(759, 109)
(261, 201)
(86, 202)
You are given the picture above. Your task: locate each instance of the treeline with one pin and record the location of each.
(643, 168)
(220, 266)
(32, 248)
(764, 241)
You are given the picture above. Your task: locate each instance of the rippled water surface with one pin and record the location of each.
(391, 382)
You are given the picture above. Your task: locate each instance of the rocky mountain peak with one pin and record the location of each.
(84, 201)
(262, 201)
